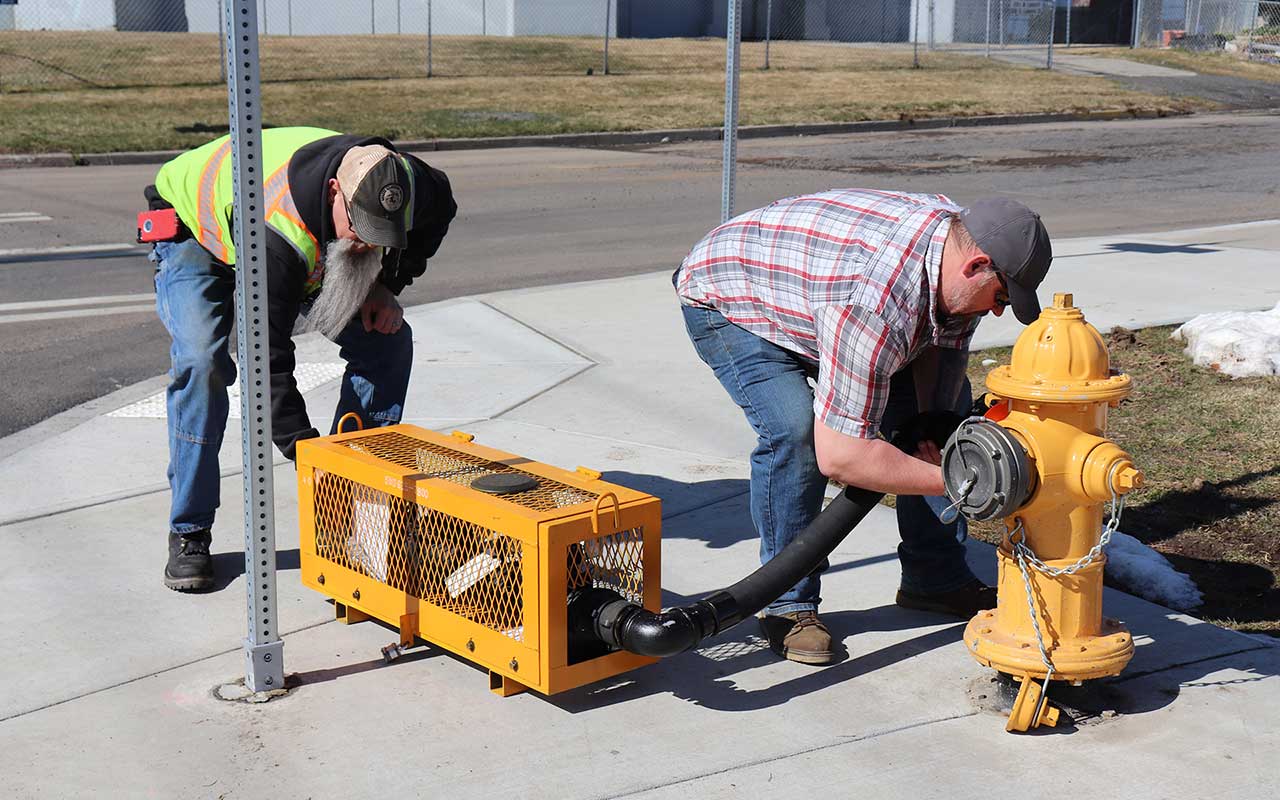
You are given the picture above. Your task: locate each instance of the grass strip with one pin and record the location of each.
(809, 83)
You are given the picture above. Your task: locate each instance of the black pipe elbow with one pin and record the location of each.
(603, 616)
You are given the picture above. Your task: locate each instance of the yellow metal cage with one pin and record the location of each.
(391, 527)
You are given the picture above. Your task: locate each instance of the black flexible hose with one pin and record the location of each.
(619, 623)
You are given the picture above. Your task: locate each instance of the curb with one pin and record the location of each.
(623, 138)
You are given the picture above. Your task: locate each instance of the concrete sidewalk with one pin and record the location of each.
(109, 676)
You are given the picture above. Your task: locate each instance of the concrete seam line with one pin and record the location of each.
(704, 504)
(511, 316)
(632, 442)
(806, 751)
(128, 681)
(615, 138)
(1123, 677)
(128, 494)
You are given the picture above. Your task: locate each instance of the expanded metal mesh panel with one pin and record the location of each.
(456, 565)
(434, 461)
(613, 562)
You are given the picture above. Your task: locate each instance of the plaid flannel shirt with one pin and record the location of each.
(847, 279)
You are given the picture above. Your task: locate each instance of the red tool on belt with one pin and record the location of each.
(158, 226)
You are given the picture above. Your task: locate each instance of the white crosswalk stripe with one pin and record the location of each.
(23, 216)
(70, 307)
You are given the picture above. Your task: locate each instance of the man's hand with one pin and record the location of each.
(381, 311)
(928, 451)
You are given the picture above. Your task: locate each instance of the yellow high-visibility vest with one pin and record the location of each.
(198, 184)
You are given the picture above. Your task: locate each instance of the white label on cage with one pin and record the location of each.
(470, 573)
(371, 532)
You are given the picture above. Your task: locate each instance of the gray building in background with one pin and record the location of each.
(822, 20)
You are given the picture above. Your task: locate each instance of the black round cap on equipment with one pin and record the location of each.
(504, 483)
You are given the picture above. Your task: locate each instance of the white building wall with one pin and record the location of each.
(448, 17)
(563, 17)
(61, 15)
(943, 21)
(345, 17)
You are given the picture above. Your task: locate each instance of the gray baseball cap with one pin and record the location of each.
(1018, 244)
(379, 193)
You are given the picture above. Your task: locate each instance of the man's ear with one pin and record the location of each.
(975, 263)
(333, 189)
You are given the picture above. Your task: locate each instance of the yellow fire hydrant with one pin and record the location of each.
(1047, 468)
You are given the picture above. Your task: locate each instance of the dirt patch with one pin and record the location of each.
(1208, 447)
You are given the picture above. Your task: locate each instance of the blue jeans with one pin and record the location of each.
(772, 387)
(195, 297)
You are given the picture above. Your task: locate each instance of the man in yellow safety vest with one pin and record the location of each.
(350, 222)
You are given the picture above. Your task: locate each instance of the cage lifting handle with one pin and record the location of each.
(350, 415)
(617, 516)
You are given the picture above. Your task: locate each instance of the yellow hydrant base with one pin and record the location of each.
(1078, 659)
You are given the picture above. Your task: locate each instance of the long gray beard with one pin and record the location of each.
(348, 277)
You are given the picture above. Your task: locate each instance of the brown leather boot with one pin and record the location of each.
(798, 636)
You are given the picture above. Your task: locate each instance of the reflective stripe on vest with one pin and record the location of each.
(283, 215)
(209, 233)
(199, 185)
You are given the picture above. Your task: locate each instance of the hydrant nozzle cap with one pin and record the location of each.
(1128, 479)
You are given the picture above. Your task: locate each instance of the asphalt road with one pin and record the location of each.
(73, 328)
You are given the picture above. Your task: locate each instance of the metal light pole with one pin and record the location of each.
(265, 28)
(988, 28)
(1001, 23)
(289, 13)
(1069, 4)
(373, 20)
(428, 38)
(484, 14)
(1253, 25)
(1137, 22)
(768, 30)
(1053, 24)
(608, 11)
(398, 31)
(733, 38)
(263, 649)
(930, 26)
(915, 39)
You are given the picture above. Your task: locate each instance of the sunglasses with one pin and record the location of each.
(1002, 296)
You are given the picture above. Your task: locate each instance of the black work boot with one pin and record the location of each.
(190, 567)
(963, 602)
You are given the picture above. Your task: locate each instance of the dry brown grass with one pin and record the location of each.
(97, 120)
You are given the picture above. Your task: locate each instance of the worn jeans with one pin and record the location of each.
(772, 387)
(195, 298)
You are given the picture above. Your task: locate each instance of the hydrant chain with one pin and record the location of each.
(1115, 510)
(1025, 555)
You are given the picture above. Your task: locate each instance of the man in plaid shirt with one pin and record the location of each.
(873, 296)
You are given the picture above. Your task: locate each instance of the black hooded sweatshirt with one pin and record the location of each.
(309, 172)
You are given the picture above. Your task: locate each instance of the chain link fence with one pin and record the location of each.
(57, 44)
(1247, 27)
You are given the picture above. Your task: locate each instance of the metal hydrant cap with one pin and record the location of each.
(1060, 358)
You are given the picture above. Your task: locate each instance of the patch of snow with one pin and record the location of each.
(1149, 575)
(1240, 344)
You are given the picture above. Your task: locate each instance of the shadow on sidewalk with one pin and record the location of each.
(229, 566)
(1170, 660)
(682, 500)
